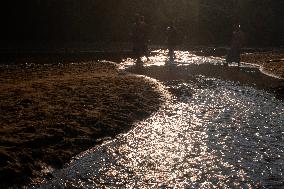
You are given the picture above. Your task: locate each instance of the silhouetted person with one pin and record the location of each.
(236, 44)
(140, 38)
(144, 37)
(171, 40)
(135, 37)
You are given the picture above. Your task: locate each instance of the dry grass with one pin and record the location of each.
(51, 113)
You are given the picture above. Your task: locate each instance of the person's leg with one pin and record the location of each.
(139, 55)
(229, 57)
(171, 53)
(135, 53)
(238, 57)
(146, 52)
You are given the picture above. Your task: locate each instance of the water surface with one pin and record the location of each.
(221, 128)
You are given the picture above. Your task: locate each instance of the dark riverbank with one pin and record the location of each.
(61, 56)
(50, 113)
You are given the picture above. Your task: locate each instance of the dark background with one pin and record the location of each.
(77, 23)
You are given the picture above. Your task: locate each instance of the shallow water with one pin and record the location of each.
(218, 130)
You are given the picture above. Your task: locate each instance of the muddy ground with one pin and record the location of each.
(49, 113)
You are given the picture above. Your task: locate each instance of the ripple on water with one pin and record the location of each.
(222, 136)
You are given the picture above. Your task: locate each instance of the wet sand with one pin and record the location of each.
(50, 113)
(270, 62)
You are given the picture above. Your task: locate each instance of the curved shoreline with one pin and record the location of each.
(51, 113)
(270, 63)
(262, 70)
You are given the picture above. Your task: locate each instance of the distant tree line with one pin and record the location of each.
(199, 22)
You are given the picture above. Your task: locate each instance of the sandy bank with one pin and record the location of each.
(270, 62)
(50, 113)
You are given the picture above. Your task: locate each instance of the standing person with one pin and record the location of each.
(135, 35)
(171, 40)
(144, 37)
(140, 38)
(236, 44)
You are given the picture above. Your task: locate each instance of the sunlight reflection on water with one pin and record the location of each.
(160, 58)
(211, 134)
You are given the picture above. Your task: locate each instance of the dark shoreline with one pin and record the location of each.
(51, 113)
(43, 57)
